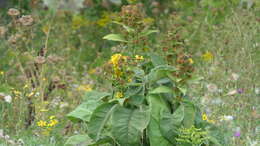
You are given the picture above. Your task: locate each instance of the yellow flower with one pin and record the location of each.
(52, 123)
(115, 59)
(129, 80)
(84, 88)
(207, 56)
(191, 61)
(119, 95)
(42, 123)
(52, 117)
(204, 117)
(25, 86)
(31, 94)
(138, 57)
(2, 73)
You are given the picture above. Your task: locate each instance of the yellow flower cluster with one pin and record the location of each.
(115, 60)
(50, 123)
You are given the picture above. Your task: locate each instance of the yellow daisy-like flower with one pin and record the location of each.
(119, 95)
(42, 123)
(208, 56)
(204, 117)
(52, 123)
(138, 57)
(2, 73)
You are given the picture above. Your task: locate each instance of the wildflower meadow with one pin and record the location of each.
(129, 73)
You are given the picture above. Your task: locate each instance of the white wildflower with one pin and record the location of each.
(227, 118)
(234, 77)
(8, 98)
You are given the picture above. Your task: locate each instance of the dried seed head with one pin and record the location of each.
(13, 12)
(26, 20)
(14, 38)
(39, 60)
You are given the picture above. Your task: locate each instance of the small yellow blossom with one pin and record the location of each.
(204, 117)
(44, 79)
(208, 56)
(52, 123)
(42, 123)
(191, 61)
(52, 117)
(84, 88)
(129, 80)
(25, 86)
(2, 73)
(119, 95)
(138, 57)
(30, 94)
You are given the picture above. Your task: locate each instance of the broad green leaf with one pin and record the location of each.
(162, 89)
(95, 95)
(157, 104)
(128, 125)
(189, 114)
(114, 37)
(78, 140)
(83, 111)
(157, 60)
(168, 127)
(99, 118)
(155, 136)
(178, 115)
(159, 72)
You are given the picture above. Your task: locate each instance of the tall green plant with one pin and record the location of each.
(148, 103)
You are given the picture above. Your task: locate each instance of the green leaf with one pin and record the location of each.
(157, 60)
(128, 125)
(168, 127)
(83, 111)
(99, 118)
(178, 115)
(161, 89)
(78, 140)
(155, 136)
(127, 28)
(159, 72)
(148, 32)
(189, 114)
(114, 37)
(157, 104)
(183, 89)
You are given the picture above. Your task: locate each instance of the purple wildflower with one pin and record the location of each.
(237, 134)
(240, 91)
